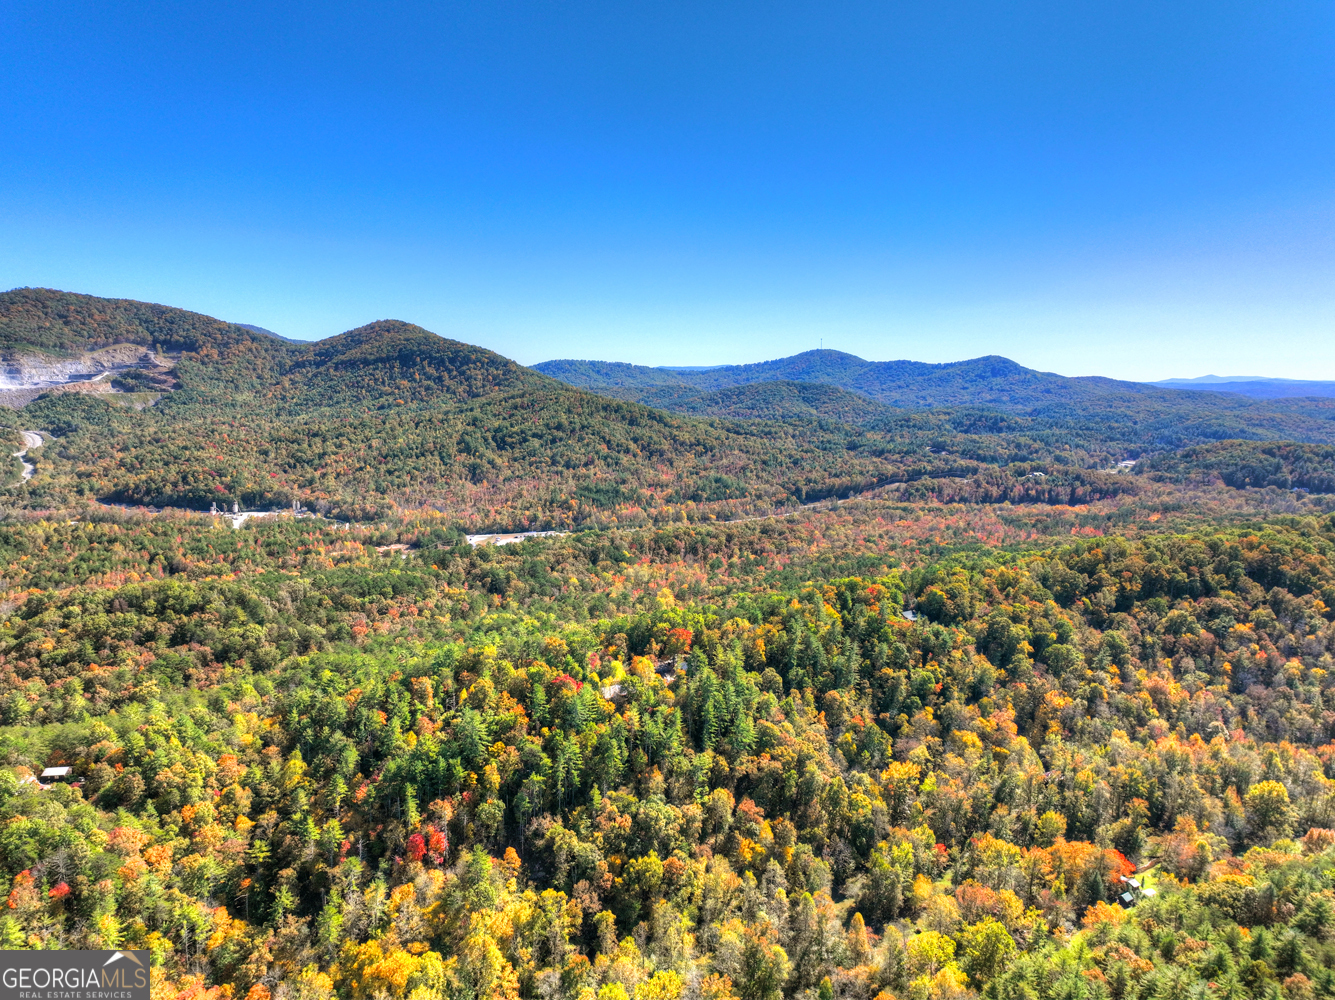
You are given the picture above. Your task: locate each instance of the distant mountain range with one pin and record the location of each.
(989, 408)
(988, 381)
(1200, 380)
(393, 416)
(992, 381)
(1255, 386)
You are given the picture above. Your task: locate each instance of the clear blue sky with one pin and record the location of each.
(1132, 189)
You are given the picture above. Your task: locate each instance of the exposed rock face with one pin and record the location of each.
(119, 368)
(30, 370)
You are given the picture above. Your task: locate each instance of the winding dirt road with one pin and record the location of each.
(31, 439)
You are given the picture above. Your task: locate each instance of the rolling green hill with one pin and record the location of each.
(396, 363)
(776, 400)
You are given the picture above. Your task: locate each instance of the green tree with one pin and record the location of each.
(1268, 811)
(986, 947)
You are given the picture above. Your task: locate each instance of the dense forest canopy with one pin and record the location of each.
(1243, 464)
(815, 698)
(694, 761)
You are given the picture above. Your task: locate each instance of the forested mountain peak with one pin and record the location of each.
(813, 366)
(394, 358)
(375, 341)
(55, 322)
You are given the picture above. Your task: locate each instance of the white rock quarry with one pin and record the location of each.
(42, 371)
(25, 375)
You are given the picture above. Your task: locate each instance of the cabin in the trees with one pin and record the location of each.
(1135, 891)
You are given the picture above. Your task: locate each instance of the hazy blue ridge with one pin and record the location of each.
(1256, 388)
(991, 380)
